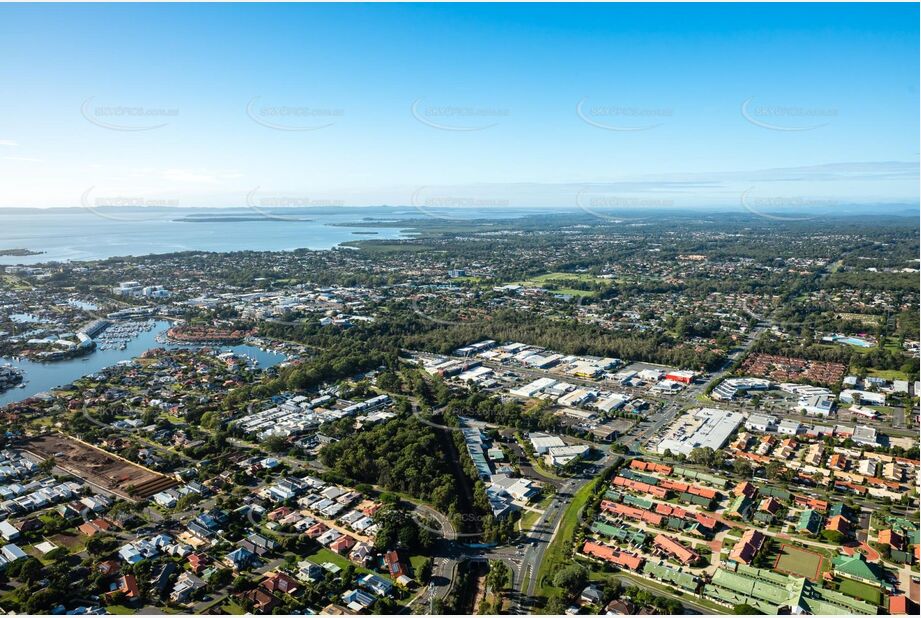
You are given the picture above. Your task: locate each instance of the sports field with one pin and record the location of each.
(797, 561)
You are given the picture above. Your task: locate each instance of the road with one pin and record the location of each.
(525, 557)
(547, 526)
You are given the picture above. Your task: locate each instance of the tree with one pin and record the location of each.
(41, 601)
(742, 468)
(571, 578)
(101, 544)
(47, 465)
(425, 571)
(499, 577)
(706, 456)
(31, 570)
(743, 609)
(555, 606)
(276, 444)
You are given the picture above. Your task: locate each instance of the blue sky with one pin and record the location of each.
(526, 104)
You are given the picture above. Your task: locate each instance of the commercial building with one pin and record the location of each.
(855, 396)
(864, 435)
(761, 422)
(542, 442)
(685, 377)
(729, 389)
(816, 405)
(562, 455)
(706, 427)
(789, 427)
(773, 593)
(533, 388)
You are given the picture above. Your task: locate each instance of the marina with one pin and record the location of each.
(117, 336)
(41, 377)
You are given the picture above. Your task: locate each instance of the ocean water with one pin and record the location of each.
(83, 234)
(90, 234)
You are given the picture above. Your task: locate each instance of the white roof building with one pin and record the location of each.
(851, 395)
(761, 422)
(533, 388)
(864, 435)
(562, 455)
(816, 405)
(706, 427)
(542, 442)
(789, 427)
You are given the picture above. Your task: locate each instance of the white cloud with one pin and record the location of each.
(8, 142)
(25, 159)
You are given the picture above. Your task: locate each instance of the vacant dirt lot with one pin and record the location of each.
(99, 468)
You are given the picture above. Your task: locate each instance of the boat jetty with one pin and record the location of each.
(9, 377)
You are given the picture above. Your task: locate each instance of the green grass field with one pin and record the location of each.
(796, 561)
(417, 562)
(556, 553)
(233, 608)
(887, 374)
(561, 279)
(326, 555)
(859, 590)
(529, 518)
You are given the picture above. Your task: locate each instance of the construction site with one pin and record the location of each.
(99, 468)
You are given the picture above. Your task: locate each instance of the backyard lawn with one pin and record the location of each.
(233, 608)
(864, 592)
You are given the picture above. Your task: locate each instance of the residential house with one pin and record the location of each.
(240, 559)
(394, 566)
(186, 587)
(128, 586)
(358, 600)
(281, 582)
(376, 584)
(747, 546)
(262, 601)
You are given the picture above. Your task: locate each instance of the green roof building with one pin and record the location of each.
(809, 521)
(687, 581)
(627, 535)
(781, 494)
(740, 506)
(640, 503)
(857, 568)
(771, 592)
